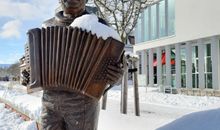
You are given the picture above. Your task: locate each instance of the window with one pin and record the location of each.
(138, 31)
(154, 21)
(162, 19)
(163, 69)
(146, 25)
(183, 67)
(208, 66)
(173, 67)
(159, 21)
(171, 17)
(164, 74)
(155, 68)
(195, 67)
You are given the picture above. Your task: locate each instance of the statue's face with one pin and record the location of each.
(73, 6)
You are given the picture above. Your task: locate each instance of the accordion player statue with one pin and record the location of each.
(73, 58)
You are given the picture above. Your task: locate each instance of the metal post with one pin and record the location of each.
(136, 93)
(104, 101)
(124, 91)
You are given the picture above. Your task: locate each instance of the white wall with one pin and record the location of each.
(195, 19)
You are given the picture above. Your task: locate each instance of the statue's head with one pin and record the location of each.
(73, 7)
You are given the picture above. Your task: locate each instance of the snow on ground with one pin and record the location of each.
(15, 96)
(204, 120)
(158, 110)
(11, 121)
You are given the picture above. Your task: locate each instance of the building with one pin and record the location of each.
(178, 42)
(24, 64)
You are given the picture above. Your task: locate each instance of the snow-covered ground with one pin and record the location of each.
(11, 121)
(158, 110)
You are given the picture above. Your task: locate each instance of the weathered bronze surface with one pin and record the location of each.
(70, 59)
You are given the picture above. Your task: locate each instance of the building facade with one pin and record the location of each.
(178, 42)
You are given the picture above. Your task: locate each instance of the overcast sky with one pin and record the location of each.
(16, 17)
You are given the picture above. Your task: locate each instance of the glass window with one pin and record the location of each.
(208, 49)
(208, 66)
(154, 21)
(163, 68)
(136, 34)
(138, 31)
(153, 15)
(208, 60)
(197, 51)
(164, 74)
(209, 80)
(171, 17)
(195, 59)
(183, 67)
(183, 60)
(173, 67)
(183, 81)
(162, 26)
(195, 80)
(195, 69)
(146, 25)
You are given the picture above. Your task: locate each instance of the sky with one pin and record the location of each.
(16, 18)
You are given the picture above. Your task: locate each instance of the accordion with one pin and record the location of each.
(70, 59)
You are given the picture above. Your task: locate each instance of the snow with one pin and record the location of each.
(11, 121)
(89, 22)
(27, 125)
(204, 120)
(153, 96)
(130, 54)
(159, 111)
(28, 104)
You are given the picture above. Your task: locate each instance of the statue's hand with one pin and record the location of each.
(114, 73)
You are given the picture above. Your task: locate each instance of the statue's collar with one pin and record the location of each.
(61, 18)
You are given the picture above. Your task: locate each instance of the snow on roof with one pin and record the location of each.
(89, 22)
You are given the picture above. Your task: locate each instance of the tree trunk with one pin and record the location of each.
(124, 91)
(136, 93)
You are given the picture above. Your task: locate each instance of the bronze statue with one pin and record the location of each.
(62, 110)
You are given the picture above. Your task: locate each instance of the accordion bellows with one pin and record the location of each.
(70, 59)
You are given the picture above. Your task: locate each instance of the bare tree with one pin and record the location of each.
(3, 71)
(121, 14)
(14, 69)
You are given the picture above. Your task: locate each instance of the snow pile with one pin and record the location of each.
(27, 104)
(89, 22)
(183, 101)
(28, 125)
(152, 96)
(11, 121)
(112, 120)
(13, 85)
(205, 120)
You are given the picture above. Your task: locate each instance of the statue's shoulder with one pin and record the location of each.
(50, 22)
